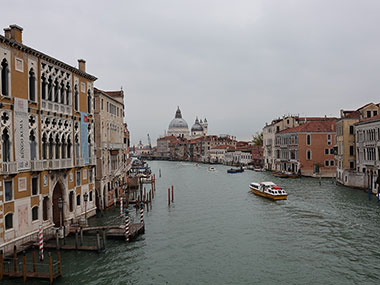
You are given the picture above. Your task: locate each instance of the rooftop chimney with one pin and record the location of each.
(82, 65)
(16, 33)
(7, 33)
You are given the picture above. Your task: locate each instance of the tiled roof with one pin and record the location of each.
(167, 138)
(223, 147)
(367, 120)
(309, 119)
(313, 126)
(350, 114)
(115, 93)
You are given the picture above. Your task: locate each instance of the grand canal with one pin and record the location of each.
(217, 232)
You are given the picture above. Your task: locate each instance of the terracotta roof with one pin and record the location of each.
(309, 119)
(314, 126)
(223, 147)
(115, 93)
(167, 138)
(366, 105)
(349, 114)
(367, 120)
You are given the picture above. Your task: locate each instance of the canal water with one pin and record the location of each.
(217, 232)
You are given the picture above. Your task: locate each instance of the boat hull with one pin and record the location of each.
(267, 195)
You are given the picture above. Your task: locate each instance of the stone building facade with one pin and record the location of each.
(110, 146)
(47, 140)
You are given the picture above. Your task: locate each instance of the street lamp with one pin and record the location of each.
(85, 196)
(60, 207)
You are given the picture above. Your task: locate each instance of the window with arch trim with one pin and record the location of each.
(89, 101)
(4, 66)
(8, 221)
(76, 98)
(32, 85)
(35, 213)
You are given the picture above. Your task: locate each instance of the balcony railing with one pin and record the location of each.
(92, 160)
(56, 107)
(111, 145)
(79, 161)
(9, 167)
(37, 165)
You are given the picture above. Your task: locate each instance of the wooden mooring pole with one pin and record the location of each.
(15, 259)
(50, 269)
(59, 262)
(24, 265)
(172, 194)
(34, 260)
(169, 196)
(1, 265)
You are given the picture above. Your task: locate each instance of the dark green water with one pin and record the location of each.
(217, 232)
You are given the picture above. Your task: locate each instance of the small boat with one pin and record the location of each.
(280, 174)
(259, 169)
(292, 175)
(211, 168)
(235, 170)
(268, 190)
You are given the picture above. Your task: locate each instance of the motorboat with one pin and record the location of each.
(211, 168)
(268, 190)
(235, 170)
(280, 174)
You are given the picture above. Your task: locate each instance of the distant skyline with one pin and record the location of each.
(237, 63)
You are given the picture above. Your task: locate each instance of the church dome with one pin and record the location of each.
(197, 126)
(178, 126)
(178, 122)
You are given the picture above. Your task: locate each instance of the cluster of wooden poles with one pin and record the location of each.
(10, 267)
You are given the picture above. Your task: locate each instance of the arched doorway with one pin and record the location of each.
(57, 212)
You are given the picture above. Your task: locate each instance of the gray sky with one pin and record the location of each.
(237, 63)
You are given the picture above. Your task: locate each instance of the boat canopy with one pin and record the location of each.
(267, 184)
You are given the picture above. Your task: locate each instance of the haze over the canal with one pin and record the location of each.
(238, 63)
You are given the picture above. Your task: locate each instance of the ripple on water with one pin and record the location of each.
(217, 232)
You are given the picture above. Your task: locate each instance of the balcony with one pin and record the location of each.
(9, 168)
(38, 165)
(79, 161)
(111, 145)
(56, 107)
(92, 160)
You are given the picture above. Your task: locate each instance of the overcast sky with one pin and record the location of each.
(237, 63)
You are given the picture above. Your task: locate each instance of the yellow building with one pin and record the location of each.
(47, 140)
(347, 172)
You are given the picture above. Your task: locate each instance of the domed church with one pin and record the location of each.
(178, 126)
(199, 128)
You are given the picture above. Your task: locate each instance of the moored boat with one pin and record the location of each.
(268, 190)
(235, 170)
(280, 174)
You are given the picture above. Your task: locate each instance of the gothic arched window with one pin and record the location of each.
(6, 146)
(51, 143)
(76, 98)
(50, 89)
(68, 93)
(68, 148)
(32, 85)
(43, 87)
(4, 78)
(88, 101)
(44, 147)
(62, 93)
(33, 146)
(56, 91)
